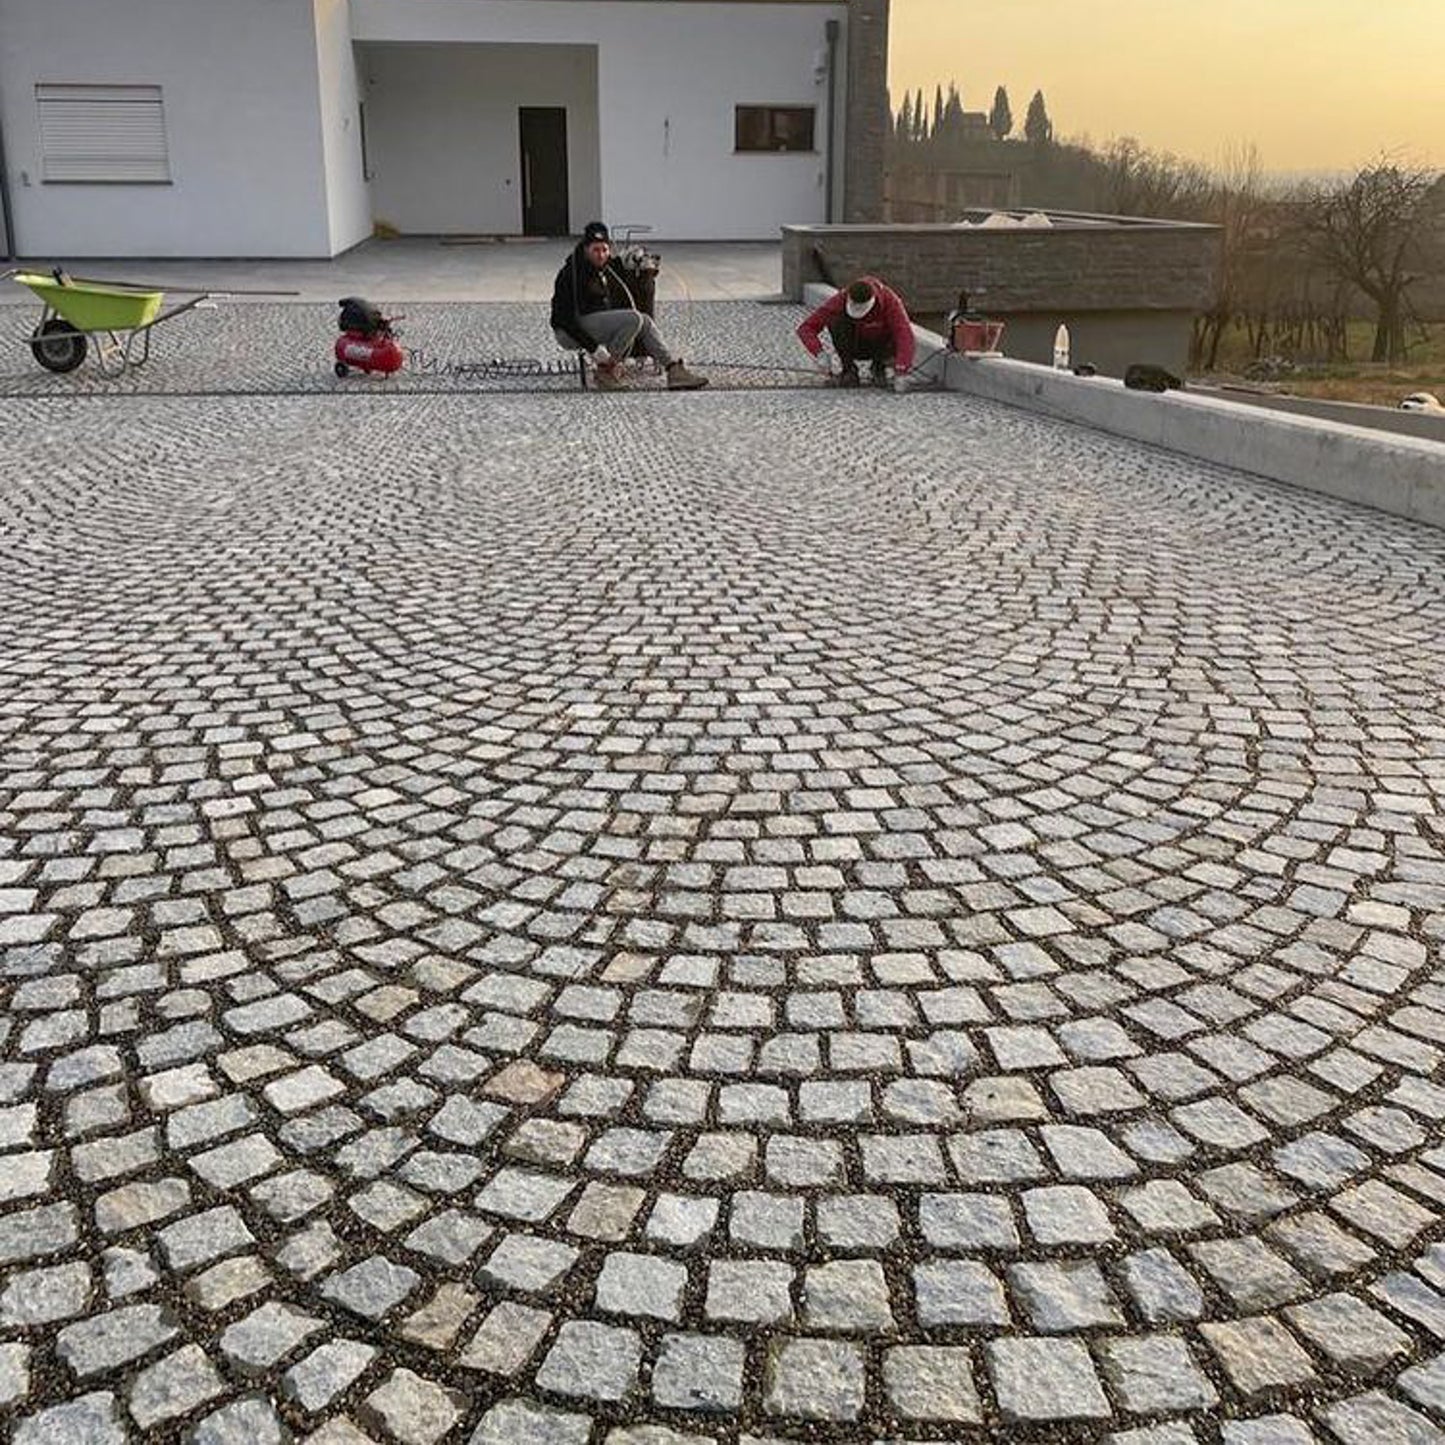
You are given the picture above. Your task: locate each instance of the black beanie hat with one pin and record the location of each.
(595, 231)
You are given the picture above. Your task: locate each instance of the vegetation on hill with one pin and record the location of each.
(1300, 265)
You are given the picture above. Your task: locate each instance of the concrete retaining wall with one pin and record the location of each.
(1427, 424)
(1401, 475)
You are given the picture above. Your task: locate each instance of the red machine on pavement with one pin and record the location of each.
(367, 341)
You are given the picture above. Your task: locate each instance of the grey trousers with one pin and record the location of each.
(618, 331)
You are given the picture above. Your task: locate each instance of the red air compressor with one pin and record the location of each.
(367, 341)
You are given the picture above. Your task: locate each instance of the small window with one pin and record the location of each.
(102, 133)
(775, 127)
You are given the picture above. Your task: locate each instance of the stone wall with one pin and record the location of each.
(1129, 290)
(1106, 266)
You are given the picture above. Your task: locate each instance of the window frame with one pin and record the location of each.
(772, 111)
(64, 162)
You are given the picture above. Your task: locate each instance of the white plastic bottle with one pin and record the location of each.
(1061, 348)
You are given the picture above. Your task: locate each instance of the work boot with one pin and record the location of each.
(679, 378)
(848, 377)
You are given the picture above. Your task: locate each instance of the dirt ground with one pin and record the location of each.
(1356, 380)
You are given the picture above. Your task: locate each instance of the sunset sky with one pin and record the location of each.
(1315, 84)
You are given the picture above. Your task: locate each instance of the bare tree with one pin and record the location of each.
(1238, 208)
(1382, 232)
(1141, 182)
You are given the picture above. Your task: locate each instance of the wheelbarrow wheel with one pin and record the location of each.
(57, 345)
(342, 369)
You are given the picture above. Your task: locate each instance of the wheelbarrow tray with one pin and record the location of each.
(88, 306)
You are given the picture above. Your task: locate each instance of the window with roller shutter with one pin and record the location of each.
(107, 134)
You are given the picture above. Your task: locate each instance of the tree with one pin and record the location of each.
(937, 110)
(1038, 128)
(1239, 209)
(953, 114)
(1001, 117)
(1383, 232)
(903, 127)
(920, 117)
(1140, 182)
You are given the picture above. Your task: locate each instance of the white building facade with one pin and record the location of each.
(294, 128)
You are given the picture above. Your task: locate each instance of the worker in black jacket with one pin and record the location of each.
(594, 311)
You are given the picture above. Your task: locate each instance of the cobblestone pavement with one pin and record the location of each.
(251, 347)
(532, 921)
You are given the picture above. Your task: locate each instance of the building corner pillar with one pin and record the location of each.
(867, 122)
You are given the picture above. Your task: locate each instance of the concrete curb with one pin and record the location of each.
(1429, 425)
(1402, 475)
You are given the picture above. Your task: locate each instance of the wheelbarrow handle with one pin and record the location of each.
(172, 286)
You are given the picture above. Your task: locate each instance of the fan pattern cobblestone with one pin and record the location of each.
(251, 347)
(534, 921)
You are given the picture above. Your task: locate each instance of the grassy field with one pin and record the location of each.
(1355, 380)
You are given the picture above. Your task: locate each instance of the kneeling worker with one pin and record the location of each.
(594, 311)
(867, 321)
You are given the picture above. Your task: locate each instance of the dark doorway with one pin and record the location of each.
(544, 171)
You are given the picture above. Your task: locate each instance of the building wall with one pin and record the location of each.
(348, 204)
(668, 78)
(442, 138)
(869, 120)
(262, 114)
(247, 157)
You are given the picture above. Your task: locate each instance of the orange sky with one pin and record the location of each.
(1315, 84)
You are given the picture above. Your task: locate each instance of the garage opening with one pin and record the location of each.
(466, 139)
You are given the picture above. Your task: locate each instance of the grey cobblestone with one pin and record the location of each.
(173, 1386)
(931, 1382)
(529, 919)
(699, 1372)
(815, 1379)
(1045, 1380)
(316, 1380)
(91, 1419)
(591, 1361)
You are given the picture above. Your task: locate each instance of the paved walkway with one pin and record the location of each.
(422, 269)
(287, 349)
(764, 917)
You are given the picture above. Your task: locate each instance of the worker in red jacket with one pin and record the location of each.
(867, 321)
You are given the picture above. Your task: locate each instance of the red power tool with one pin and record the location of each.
(367, 341)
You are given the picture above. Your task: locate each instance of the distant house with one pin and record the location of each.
(294, 127)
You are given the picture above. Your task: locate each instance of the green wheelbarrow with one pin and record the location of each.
(115, 318)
